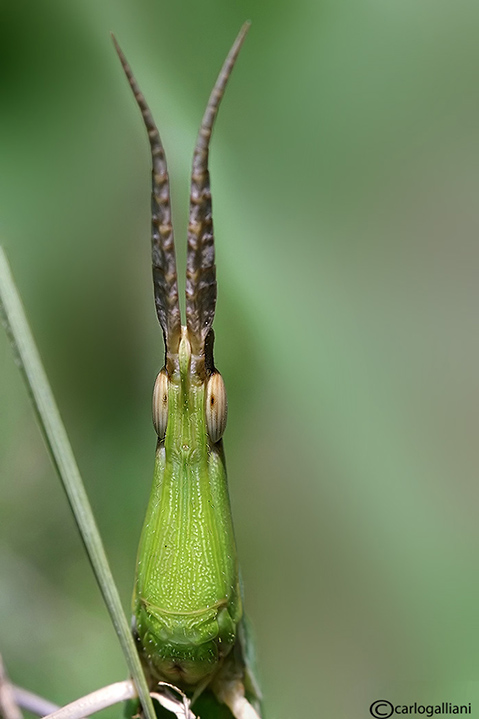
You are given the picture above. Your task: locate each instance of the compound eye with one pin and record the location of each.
(216, 406)
(160, 404)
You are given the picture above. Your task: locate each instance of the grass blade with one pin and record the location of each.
(28, 359)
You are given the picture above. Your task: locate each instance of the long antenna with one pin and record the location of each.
(200, 262)
(162, 243)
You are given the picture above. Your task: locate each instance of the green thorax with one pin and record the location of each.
(187, 601)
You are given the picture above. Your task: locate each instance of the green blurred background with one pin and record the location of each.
(345, 173)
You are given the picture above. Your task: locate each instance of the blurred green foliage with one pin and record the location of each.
(345, 173)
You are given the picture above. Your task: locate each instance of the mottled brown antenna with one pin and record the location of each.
(162, 243)
(200, 263)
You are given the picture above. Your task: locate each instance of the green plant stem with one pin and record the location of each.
(28, 359)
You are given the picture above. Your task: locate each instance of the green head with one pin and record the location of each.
(187, 602)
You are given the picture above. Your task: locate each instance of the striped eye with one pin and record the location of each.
(160, 404)
(216, 407)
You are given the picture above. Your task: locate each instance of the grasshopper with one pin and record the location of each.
(187, 607)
